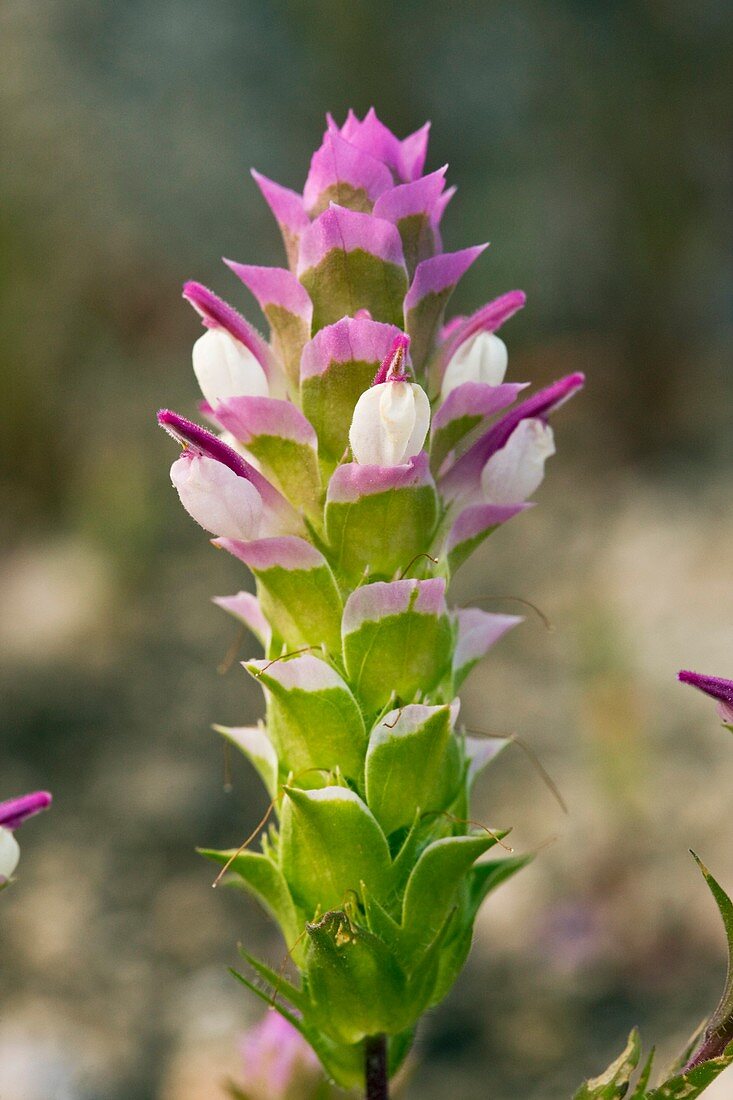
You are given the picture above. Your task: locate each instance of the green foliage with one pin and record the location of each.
(692, 1083)
(290, 334)
(257, 874)
(254, 743)
(705, 1057)
(345, 282)
(304, 604)
(293, 467)
(412, 762)
(330, 844)
(314, 717)
(382, 532)
(328, 401)
(719, 1031)
(423, 323)
(614, 1083)
(396, 656)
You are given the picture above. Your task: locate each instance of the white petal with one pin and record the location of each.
(9, 853)
(483, 358)
(217, 498)
(389, 424)
(225, 368)
(397, 415)
(517, 470)
(422, 422)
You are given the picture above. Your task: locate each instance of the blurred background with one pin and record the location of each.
(591, 145)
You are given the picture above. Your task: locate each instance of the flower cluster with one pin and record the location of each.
(353, 462)
(12, 815)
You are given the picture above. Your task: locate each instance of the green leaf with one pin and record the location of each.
(684, 1056)
(482, 879)
(719, 1031)
(284, 443)
(314, 717)
(293, 467)
(329, 399)
(345, 282)
(690, 1084)
(378, 919)
(423, 322)
(432, 888)
(418, 239)
(639, 1092)
(330, 843)
(337, 366)
(396, 641)
(258, 748)
(296, 588)
(614, 1083)
(380, 525)
(446, 438)
(280, 985)
(412, 761)
(260, 877)
(290, 332)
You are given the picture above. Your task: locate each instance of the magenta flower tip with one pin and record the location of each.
(199, 440)
(715, 686)
(17, 810)
(393, 368)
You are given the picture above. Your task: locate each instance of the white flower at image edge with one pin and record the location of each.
(9, 853)
(389, 424)
(483, 358)
(222, 502)
(225, 368)
(517, 470)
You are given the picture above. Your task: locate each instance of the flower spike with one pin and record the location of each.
(351, 515)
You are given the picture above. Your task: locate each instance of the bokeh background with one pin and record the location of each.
(590, 142)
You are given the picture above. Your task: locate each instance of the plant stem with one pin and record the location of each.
(375, 1061)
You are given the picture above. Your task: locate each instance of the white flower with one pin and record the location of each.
(516, 471)
(225, 368)
(222, 502)
(389, 424)
(9, 853)
(483, 358)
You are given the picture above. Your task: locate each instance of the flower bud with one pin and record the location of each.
(483, 358)
(9, 854)
(513, 473)
(390, 423)
(221, 501)
(225, 368)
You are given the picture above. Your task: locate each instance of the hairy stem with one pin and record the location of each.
(375, 1060)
